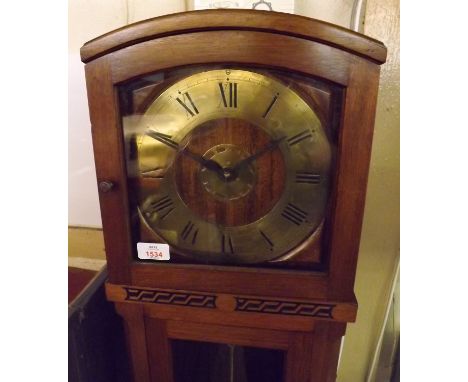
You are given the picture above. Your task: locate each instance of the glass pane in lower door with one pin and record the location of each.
(210, 362)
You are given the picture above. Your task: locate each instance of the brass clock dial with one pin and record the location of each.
(233, 167)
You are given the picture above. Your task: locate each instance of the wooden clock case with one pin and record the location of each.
(303, 313)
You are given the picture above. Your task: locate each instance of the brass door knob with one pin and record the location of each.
(105, 186)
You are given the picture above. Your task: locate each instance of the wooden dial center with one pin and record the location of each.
(243, 200)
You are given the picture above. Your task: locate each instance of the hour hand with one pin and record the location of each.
(207, 163)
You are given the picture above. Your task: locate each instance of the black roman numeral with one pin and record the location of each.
(226, 244)
(270, 106)
(191, 108)
(190, 228)
(267, 239)
(163, 138)
(163, 207)
(232, 94)
(299, 137)
(294, 214)
(307, 177)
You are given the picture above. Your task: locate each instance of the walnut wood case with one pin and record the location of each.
(301, 312)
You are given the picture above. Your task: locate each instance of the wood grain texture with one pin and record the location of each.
(313, 356)
(159, 350)
(270, 173)
(250, 281)
(245, 47)
(110, 166)
(235, 320)
(326, 53)
(243, 336)
(136, 340)
(325, 351)
(234, 20)
(269, 169)
(354, 148)
(355, 145)
(299, 356)
(77, 281)
(234, 310)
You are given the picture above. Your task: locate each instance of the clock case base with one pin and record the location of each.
(310, 345)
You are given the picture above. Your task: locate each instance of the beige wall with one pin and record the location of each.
(380, 237)
(88, 19)
(86, 242)
(379, 249)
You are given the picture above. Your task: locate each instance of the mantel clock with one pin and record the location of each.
(232, 150)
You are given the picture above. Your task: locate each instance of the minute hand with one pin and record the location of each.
(244, 162)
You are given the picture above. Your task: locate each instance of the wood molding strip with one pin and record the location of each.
(266, 338)
(234, 304)
(236, 19)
